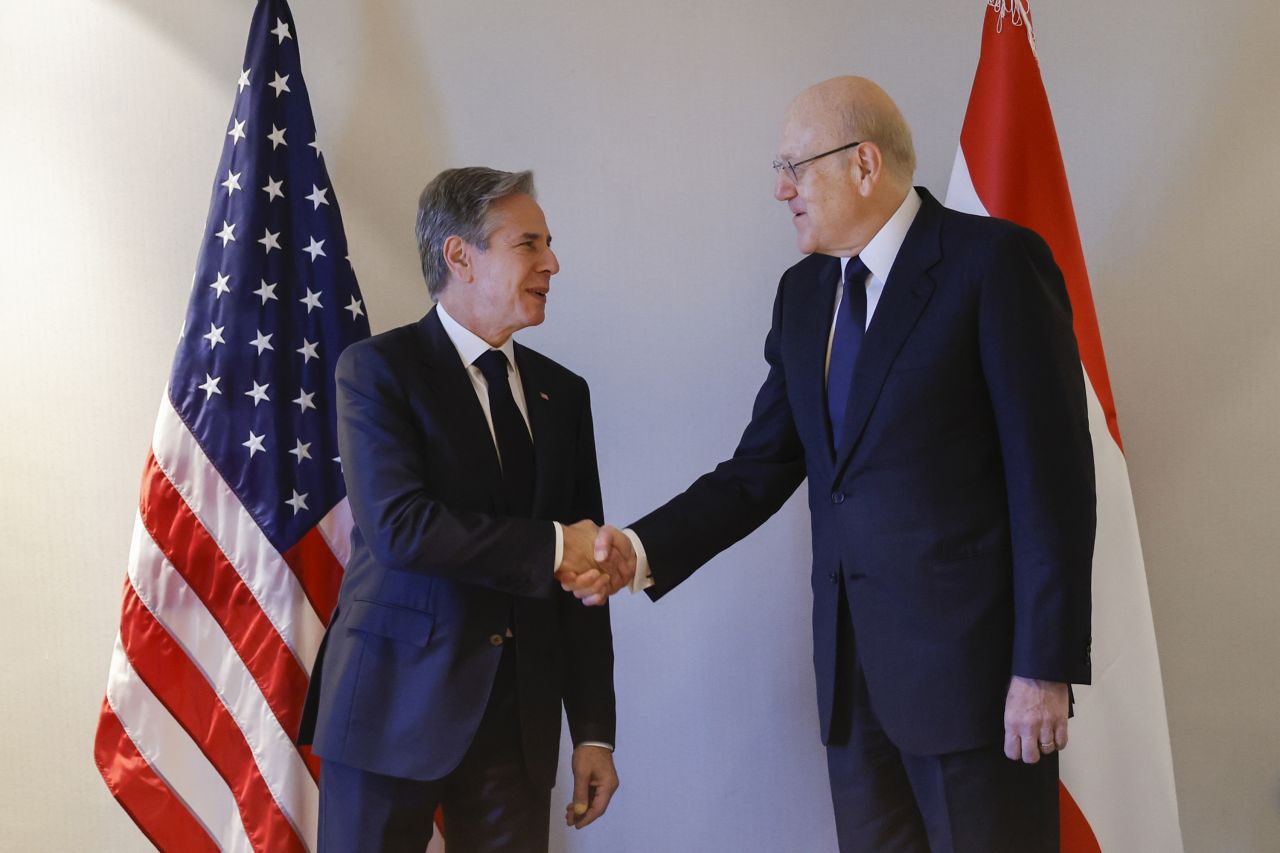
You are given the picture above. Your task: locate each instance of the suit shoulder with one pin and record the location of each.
(548, 369)
(384, 347)
(983, 233)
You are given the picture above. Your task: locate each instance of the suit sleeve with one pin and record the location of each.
(727, 504)
(588, 674)
(405, 526)
(1032, 366)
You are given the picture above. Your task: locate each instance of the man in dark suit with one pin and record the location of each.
(442, 674)
(924, 376)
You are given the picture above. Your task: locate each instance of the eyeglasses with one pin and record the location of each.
(779, 165)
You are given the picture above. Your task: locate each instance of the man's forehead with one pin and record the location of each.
(803, 129)
(519, 213)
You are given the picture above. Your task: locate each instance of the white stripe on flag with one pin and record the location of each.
(177, 607)
(961, 194)
(171, 753)
(258, 563)
(1120, 737)
(335, 527)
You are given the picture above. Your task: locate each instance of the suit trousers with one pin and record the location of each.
(488, 802)
(889, 801)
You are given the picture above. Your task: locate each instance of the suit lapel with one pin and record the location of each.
(905, 295)
(811, 373)
(459, 409)
(542, 423)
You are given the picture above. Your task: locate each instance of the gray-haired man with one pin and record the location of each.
(453, 647)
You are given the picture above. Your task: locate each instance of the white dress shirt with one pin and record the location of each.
(471, 346)
(878, 255)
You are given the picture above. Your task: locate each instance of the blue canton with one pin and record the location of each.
(274, 300)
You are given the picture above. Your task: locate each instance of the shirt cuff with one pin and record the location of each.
(643, 578)
(555, 567)
(598, 743)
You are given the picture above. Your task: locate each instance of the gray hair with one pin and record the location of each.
(888, 130)
(457, 203)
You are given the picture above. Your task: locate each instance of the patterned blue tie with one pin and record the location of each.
(851, 322)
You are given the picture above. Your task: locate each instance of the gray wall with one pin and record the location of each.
(651, 126)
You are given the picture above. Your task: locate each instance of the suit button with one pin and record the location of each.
(495, 640)
(837, 497)
(833, 577)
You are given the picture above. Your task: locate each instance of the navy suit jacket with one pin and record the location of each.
(438, 571)
(960, 507)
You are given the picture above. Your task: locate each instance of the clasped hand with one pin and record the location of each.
(597, 561)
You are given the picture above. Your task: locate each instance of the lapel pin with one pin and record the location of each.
(544, 395)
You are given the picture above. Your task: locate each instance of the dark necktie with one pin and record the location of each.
(514, 445)
(851, 322)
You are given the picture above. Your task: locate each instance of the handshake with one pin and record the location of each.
(597, 561)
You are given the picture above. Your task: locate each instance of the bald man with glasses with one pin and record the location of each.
(923, 376)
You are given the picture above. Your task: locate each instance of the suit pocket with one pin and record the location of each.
(386, 620)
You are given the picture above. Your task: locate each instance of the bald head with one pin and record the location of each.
(841, 194)
(844, 109)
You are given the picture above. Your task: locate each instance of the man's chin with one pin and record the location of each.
(804, 240)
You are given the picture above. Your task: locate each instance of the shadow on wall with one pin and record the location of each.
(1188, 313)
(1190, 214)
(214, 39)
(394, 112)
(371, 94)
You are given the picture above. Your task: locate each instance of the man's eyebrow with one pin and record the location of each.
(533, 235)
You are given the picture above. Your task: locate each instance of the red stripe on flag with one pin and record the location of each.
(1074, 833)
(1011, 148)
(164, 667)
(310, 759)
(318, 571)
(144, 796)
(198, 559)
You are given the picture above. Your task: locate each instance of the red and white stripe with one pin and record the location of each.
(1118, 792)
(218, 633)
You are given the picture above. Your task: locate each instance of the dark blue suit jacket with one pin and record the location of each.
(961, 506)
(438, 571)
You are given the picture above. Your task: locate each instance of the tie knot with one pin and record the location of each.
(493, 364)
(856, 271)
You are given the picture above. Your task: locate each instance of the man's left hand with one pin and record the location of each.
(594, 781)
(1035, 719)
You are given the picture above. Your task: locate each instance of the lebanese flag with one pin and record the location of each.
(1117, 789)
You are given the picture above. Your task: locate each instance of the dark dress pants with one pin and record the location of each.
(889, 801)
(489, 803)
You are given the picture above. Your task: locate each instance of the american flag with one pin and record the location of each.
(243, 524)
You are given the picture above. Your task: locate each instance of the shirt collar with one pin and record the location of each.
(469, 345)
(882, 251)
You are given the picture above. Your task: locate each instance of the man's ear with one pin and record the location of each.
(867, 166)
(458, 257)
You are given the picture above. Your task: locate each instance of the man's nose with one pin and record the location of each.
(550, 262)
(784, 189)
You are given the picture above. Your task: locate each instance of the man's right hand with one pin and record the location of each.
(579, 571)
(614, 554)
(602, 562)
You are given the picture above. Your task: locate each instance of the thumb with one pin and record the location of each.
(581, 784)
(604, 538)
